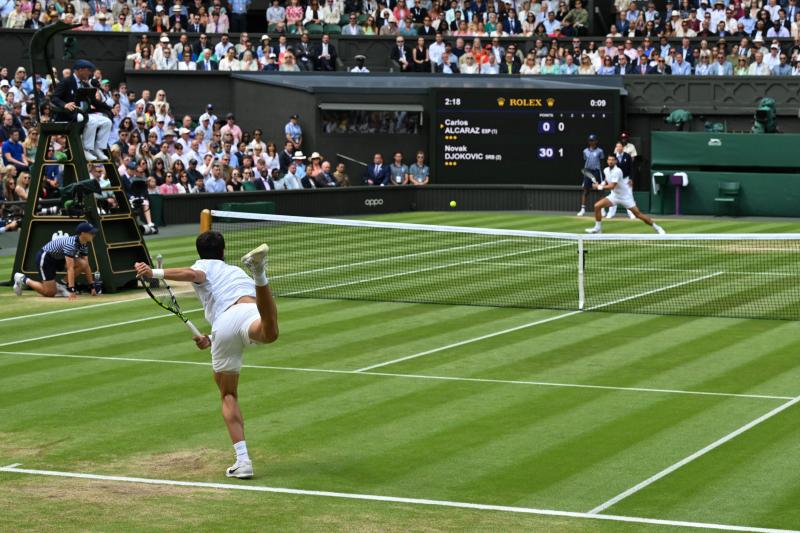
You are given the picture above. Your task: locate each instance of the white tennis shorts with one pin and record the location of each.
(625, 201)
(230, 337)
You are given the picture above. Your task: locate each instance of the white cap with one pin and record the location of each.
(675, 13)
(4, 83)
(183, 131)
(299, 155)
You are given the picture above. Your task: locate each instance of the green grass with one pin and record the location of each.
(511, 428)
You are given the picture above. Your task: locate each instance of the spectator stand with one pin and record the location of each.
(119, 242)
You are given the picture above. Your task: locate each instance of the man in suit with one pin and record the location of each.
(377, 173)
(624, 67)
(325, 54)
(304, 53)
(98, 124)
(325, 178)
(686, 50)
(720, 67)
(268, 183)
(512, 25)
(510, 65)
(400, 54)
(200, 45)
(205, 61)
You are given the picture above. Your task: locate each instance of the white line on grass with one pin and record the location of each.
(390, 499)
(536, 323)
(699, 453)
(82, 308)
(469, 341)
(94, 328)
(421, 270)
(416, 376)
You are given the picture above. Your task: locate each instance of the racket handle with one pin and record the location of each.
(193, 328)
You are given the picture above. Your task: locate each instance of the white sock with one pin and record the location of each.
(241, 451)
(261, 278)
(597, 225)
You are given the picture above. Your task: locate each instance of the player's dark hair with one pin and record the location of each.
(210, 245)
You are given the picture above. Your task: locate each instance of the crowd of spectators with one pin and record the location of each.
(737, 37)
(735, 54)
(178, 154)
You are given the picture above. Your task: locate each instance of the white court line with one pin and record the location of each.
(468, 341)
(535, 323)
(82, 308)
(416, 376)
(699, 453)
(391, 499)
(94, 328)
(427, 269)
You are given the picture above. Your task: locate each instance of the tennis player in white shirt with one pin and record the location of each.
(621, 194)
(241, 311)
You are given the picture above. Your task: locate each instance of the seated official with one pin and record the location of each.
(98, 124)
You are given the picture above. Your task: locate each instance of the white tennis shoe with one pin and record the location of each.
(594, 230)
(18, 283)
(582, 212)
(256, 260)
(240, 469)
(659, 229)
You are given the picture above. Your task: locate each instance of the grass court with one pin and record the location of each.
(418, 416)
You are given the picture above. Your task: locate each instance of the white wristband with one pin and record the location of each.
(158, 273)
(601, 187)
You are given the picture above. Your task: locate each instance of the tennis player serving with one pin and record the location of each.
(241, 312)
(621, 194)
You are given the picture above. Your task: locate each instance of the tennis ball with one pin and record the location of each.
(452, 203)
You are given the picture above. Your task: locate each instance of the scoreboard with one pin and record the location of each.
(525, 136)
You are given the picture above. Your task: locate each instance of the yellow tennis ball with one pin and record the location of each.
(452, 203)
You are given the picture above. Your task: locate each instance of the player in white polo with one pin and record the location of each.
(241, 312)
(621, 194)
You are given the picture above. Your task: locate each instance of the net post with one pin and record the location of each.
(581, 286)
(205, 220)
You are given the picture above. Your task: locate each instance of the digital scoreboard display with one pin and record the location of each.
(527, 136)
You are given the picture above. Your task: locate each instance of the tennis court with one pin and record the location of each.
(404, 415)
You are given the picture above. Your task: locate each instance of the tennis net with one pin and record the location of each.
(724, 275)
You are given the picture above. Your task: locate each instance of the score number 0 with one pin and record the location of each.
(547, 127)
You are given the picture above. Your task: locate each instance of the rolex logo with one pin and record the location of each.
(501, 101)
(551, 102)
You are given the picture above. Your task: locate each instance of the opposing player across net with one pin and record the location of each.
(726, 275)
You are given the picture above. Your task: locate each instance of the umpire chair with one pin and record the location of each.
(55, 210)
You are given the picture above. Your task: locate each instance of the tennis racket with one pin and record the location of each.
(162, 294)
(588, 174)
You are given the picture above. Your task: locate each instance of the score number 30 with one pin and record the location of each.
(548, 152)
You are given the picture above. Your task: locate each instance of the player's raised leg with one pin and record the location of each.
(265, 329)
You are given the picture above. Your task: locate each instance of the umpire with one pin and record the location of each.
(67, 95)
(69, 253)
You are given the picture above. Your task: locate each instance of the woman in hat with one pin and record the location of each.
(315, 167)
